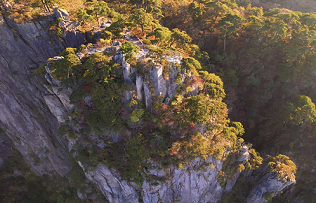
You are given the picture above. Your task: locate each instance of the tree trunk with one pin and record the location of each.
(97, 19)
(45, 6)
(172, 43)
(142, 26)
(225, 43)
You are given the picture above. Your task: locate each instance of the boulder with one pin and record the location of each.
(106, 24)
(62, 13)
(118, 58)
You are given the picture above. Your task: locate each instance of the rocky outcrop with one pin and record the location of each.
(30, 116)
(244, 157)
(195, 182)
(267, 187)
(192, 184)
(72, 36)
(57, 96)
(157, 80)
(63, 14)
(113, 189)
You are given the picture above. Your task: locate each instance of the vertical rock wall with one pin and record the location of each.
(187, 185)
(267, 187)
(24, 115)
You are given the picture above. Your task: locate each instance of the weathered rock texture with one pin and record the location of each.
(57, 97)
(112, 188)
(72, 36)
(6, 147)
(187, 185)
(24, 114)
(267, 187)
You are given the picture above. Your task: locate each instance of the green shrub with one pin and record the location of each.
(283, 166)
(63, 69)
(136, 115)
(106, 34)
(81, 47)
(68, 51)
(213, 85)
(128, 48)
(255, 160)
(178, 79)
(268, 196)
(192, 65)
(136, 155)
(40, 71)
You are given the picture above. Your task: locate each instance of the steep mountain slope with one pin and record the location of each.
(24, 115)
(126, 126)
(116, 160)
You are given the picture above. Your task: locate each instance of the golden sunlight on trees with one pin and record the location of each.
(283, 166)
(95, 11)
(143, 19)
(301, 110)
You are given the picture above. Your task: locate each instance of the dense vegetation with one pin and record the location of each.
(265, 58)
(157, 132)
(20, 184)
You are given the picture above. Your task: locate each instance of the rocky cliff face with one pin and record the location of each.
(193, 183)
(267, 187)
(189, 184)
(30, 115)
(182, 185)
(5, 147)
(24, 114)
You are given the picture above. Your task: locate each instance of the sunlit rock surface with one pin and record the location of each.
(24, 114)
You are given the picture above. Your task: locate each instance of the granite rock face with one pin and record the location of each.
(6, 146)
(112, 188)
(57, 97)
(24, 114)
(267, 187)
(62, 13)
(187, 185)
